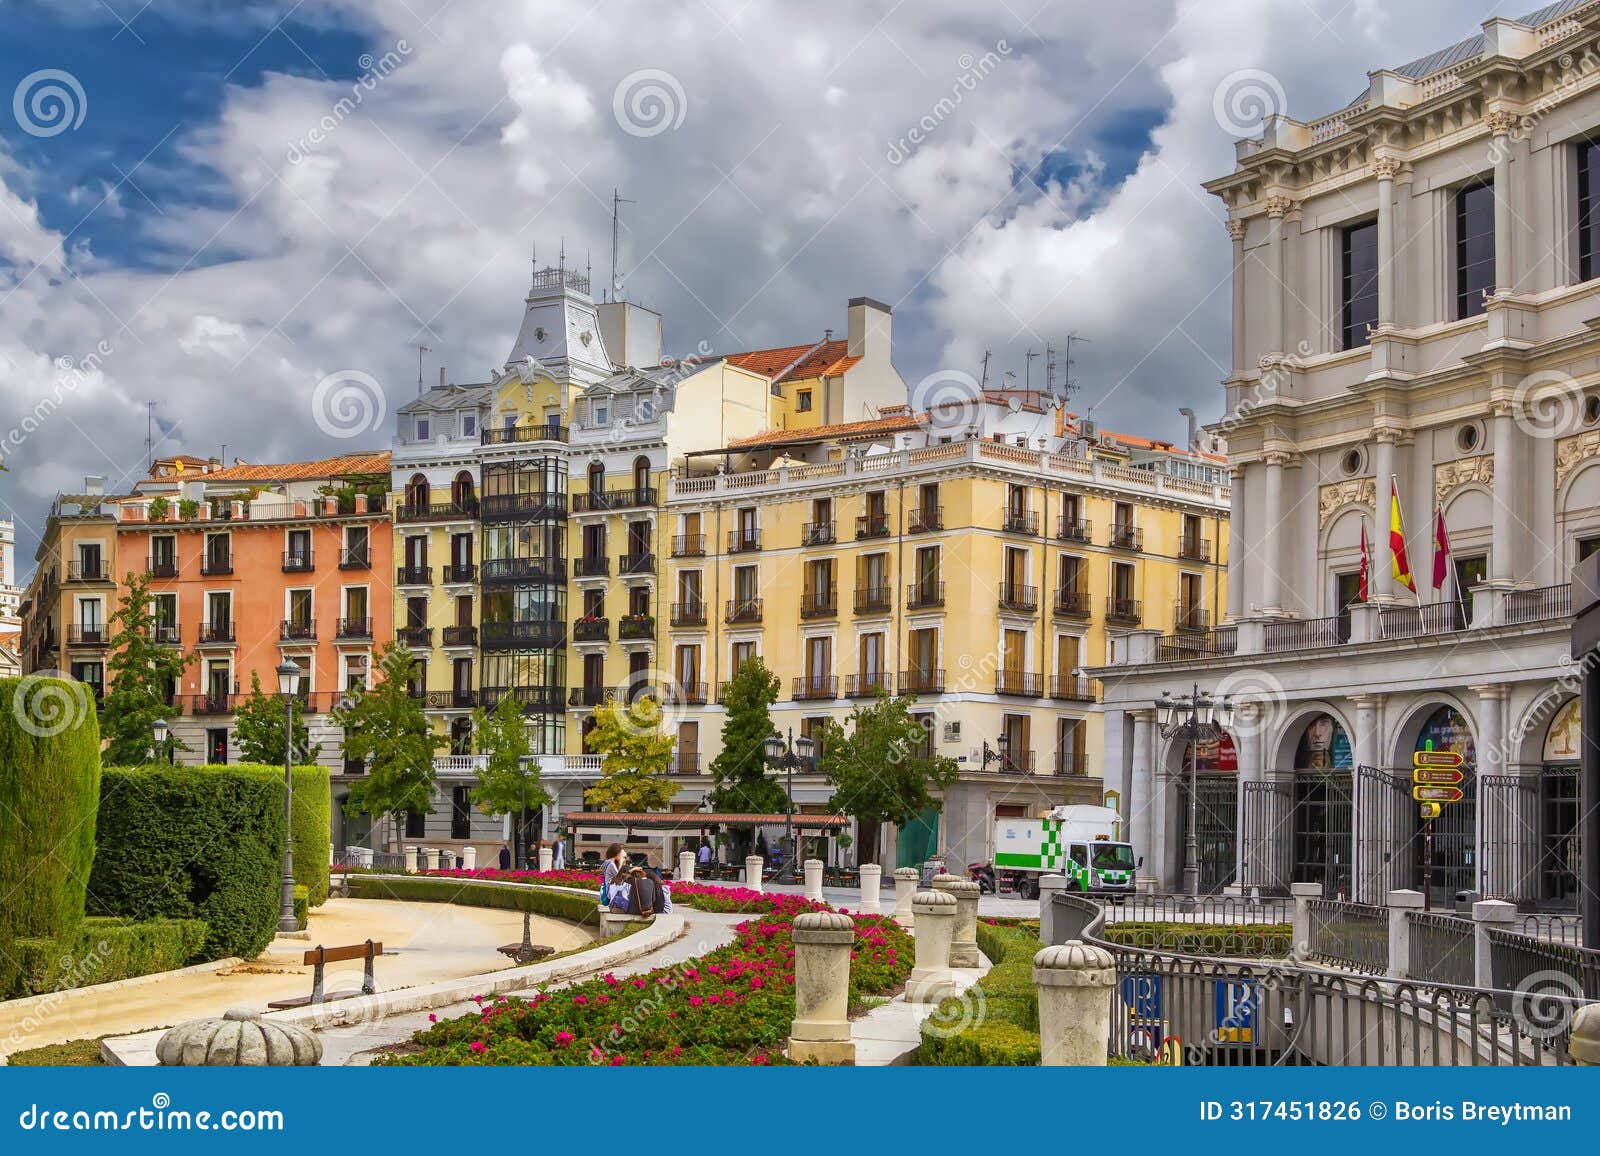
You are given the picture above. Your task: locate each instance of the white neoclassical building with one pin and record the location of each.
(1416, 313)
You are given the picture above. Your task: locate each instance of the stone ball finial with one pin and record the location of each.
(907, 873)
(240, 1038)
(933, 902)
(1074, 963)
(954, 883)
(824, 921)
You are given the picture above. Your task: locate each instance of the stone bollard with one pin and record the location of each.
(931, 979)
(752, 872)
(1049, 887)
(1401, 904)
(547, 858)
(685, 867)
(821, 1028)
(1302, 894)
(813, 869)
(1074, 981)
(240, 1038)
(1486, 914)
(411, 860)
(964, 937)
(1585, 1044)
(905, 889)
(871, 888)
(469, 857)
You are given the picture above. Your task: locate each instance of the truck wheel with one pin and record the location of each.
(1030, 889)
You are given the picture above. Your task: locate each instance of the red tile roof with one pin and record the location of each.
(377, 463)
(842, 431)
(829, 359)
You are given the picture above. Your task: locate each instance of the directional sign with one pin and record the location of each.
(1440, 777)
(1436, 794)
(1428, 810)
(1436, 759)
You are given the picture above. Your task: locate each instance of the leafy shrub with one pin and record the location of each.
(1267, 940)
(564, 905)
(193, 843)
(1007, 1032)
(105, 949)
(49, 787)
(313, 821)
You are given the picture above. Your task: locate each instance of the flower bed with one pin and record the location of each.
(566, 877)
(703, 896)
(731, 1006)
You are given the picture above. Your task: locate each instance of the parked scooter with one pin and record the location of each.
(983, 875)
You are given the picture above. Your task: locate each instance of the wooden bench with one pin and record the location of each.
(319, 956)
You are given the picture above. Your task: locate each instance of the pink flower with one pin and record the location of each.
(433, 1019)
(580, 1000)
(478, 1046)
(564, 1038)
(618, 1060)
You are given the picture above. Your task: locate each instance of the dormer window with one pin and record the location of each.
(469, 425)
(424, 429)
(602, 413)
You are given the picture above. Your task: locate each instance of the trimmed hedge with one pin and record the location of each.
(105, 949)
(192, 843)
(49, 785)
(313, 821)
(579, 909)
(1264, 940)
(1005, 1032)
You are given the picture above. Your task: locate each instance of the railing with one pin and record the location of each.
(216, 632)
(87, 571)
(1124, 609)
(1218, 643)
(819, 604)
(685, 763)
(868, 685)
(1022, 599)
(1194, 549)
(413, 576)
(1303, 634)
(540, 633)
(537, 505)
(924, 595)
(1417, 621)
(168, 567)
(928, 681)
(1021, 683)
(451, 699)
(1539, 967)
(212, 562)
(1544, 604)
(1190, 618)
(540, 698)
(924, 519)
(165, 634)
(692, 693)
(462, 572)
(598, 566)
(1443, 949)
(293, 630)
(1071, 603)
(633, 627)
(743, 541)
(814, 686)
(873, 599)
(636, 564)
(743, 610)
(1021, 522)
(436, 511)
(501, 571)
(541, 432)
(296, 562)
(354, 628)
(1073, 688)
(416, 637)
(689, 546)
(872, 526)
(78, 635)
(591, 630)
(355, 559)
(1008, 763)
(460, 636)
(1127, 537)
(1072, 762)
(816, 533)
(588, 696)
(688, 614)
(1354, 935)
(206, 704)
(1073, 529)
(599, 501)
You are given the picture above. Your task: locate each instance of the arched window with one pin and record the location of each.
(463, 492)
(597, 478)
(641, 474)
(417, 493)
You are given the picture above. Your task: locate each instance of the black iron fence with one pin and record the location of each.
(1353, 935)
(1441, 948)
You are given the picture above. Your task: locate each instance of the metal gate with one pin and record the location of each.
(1322, 830)
(1560, 849)
(1387, 828)
(1264, 839)
(1455, 844)
(1217, 818)
(1508, 866)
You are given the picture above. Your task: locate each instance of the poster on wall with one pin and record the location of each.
(1448, 731)
(1216, 753)
(1561, 740)
(1325, 746)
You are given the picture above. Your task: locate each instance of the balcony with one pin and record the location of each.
(873, 599)
(743, 610)
(744, 541)
(636, 564)
(1019, 599)
(216, 562)
(1009, 762)
(1021, 522)
(689, 546)
(819, 604)
(600, 501)
(518, 434)
(688, 614)
(1124, 610)
(1071, 603)
(636, 627)
(924, 519)
(1189, 617)
(1073, 529)
(817, 534)
(537, 634)
(165, 567)
(353, 628)
(297, 630)
(1073, 688)
(357, 559)
(416, 637)
(815, 686)
(1020, 683)
(1125, 537)
(924, 595)
(1072, 762)
(596, 566)
(464, 699)
(591, 630)
(165, 634)
(297, 562)
(413, 576)
(685, 763)
(208, 704)
(588, 696)
(80, 635)
(459, 573)
(512, 571)
(436, 511)
(922, 681)
(460, 636)
(88, 571)
(868, 685)
(1194, 549)
(216, 632)
(688, 693)
(530, 698)
(537, 506)
(872, 526)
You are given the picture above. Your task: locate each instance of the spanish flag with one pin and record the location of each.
(1397, 540)
(1366, 562)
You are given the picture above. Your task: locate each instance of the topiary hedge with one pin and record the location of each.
(313, 821)
(102, 950)
(192, 843)
(49, 785)
(1246, 940)
(1001, 1010)
(579, 909)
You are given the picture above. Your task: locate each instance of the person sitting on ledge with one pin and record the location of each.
(644, 893)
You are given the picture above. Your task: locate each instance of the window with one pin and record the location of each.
(741, 653)
(424, 429)
(1359, 283)
(1474, 248)
(300, 610)
(299, 552)
(802, 401)
(1588, 546)
(1469, 572)
(92, 675)
(744, 584)
(165, 608)
(416, 825)
(469, 425)
(461, 813)
(163, 554)
(1072, 573)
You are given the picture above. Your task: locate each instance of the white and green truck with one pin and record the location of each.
(1081, 842)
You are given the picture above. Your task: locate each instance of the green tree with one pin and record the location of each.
(739, 771)
(142, 672)
(258, 728)
(634, 757)
(385, 728)
(508, 784)
(879, 769)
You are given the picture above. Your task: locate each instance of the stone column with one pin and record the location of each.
(752, 872)
(905, 890)
(1074, 981)
(469, 858)
(813, 870)
(1487, 913)
(964, 936)
(1369, 876)
(547, 858)
(931, 979)
(1383, 472)
(1249, 718)
(1302, 893)
(1385, 168)
(1272, 537)
(1491, 748)
(1141, 787)
(1501, 123)
(1401, 904)
(1049, 887)
(1236, 544)
(1277, 288)
(821, 1028)
(871, 888)
(1510, 449)
(685, 866)
(1585, 1043)
(411, 859)
(1236, 231)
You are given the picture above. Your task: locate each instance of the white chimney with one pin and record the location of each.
(94, 484)
(869, 329)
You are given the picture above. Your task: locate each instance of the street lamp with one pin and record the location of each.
(1003, 753)
(1190, 714)
(288, 687)
(787, 755)
(158, 731)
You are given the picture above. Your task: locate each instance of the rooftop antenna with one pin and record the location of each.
(1071, 337)
(617, 201)
(421, 349)
(1027, 375)
(150, 436)
(1049, 369)
(984, 380)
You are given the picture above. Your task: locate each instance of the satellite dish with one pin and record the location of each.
(1014, 404)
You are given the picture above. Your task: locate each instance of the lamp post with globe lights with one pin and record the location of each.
(1191, 714)
(786, 755)
(288, 687)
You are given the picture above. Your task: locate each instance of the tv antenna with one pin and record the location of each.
(1049, 369)
(617, 201)
(1027, 370)
(983, 380)
(421, 349)
(1071, 337)
(150, 437)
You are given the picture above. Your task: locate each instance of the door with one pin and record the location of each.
(688, 748)
(819, 665)
(871, 659)
(1014, 667)
(416, 553)
(217, 746)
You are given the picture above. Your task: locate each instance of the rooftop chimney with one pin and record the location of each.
(869, 332)
(94, 484)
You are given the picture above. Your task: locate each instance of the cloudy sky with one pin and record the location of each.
(214, 204)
